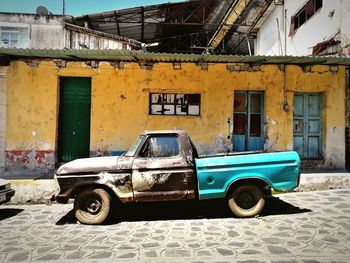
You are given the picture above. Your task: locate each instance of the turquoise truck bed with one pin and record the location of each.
(215, 174)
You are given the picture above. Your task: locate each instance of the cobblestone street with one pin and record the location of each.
(294, 227)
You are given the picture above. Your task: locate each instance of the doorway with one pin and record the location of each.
(74, 118)
(248, 121)
(307, 125)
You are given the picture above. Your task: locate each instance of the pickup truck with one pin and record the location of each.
(164, 165)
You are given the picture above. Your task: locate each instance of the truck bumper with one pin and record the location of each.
(56, 197)
(6, 195)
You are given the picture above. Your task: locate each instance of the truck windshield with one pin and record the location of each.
(133, 148)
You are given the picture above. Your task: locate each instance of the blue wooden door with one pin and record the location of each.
(248, 121)
(307, 125)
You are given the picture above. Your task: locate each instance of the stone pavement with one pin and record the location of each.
(294, 227)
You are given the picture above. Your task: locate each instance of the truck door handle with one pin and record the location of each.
(176, 163)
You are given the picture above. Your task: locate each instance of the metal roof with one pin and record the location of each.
(170, 27)
(123, 55)
(80, 29)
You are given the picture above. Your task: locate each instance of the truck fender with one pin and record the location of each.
(117, 185)
(265, 186)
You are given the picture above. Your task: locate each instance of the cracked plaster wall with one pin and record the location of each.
(120, 103)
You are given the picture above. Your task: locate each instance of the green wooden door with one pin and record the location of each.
(74, 118)
(307, 125)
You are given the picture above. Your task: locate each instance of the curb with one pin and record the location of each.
(323, 181)
(32, 191)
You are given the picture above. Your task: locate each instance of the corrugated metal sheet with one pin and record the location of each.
(122, 55)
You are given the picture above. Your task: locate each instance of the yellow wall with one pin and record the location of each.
(120, 103)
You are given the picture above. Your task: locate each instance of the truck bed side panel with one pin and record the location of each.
(215, 174)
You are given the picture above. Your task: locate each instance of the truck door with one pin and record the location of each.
(160, 170)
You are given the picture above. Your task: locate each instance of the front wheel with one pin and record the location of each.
(92, 206)
(246, 200)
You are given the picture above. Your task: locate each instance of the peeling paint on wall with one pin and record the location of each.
(116, 122)
(30, 159)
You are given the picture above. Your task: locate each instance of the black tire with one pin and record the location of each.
(92, 206)
(246, 200)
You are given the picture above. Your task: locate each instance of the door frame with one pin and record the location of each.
(248, 114)
(59, 105)
(307, 118)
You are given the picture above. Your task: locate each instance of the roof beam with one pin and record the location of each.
(235, 10)
(117, 22)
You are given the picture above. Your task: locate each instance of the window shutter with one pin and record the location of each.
(292, 26)
(309, 8)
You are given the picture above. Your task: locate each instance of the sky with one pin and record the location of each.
(74, 7)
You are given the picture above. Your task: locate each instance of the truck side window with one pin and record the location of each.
(162, 146)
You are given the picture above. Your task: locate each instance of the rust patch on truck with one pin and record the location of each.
(148, 180)
(160, 185)
(119, 183)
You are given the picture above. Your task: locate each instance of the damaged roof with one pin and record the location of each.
(194, 26)
(80, 29)
(136, 56)
(168, 27)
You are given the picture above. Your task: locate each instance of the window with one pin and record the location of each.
(133, 148)
(308, 10)
(247, 104)
(164, 146)
(9, 39)
(14, 37)
(175, 104)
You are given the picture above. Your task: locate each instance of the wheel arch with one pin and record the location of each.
(94, 186)
(261, 183)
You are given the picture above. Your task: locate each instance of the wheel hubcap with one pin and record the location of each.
(246, 200)
(93, 206)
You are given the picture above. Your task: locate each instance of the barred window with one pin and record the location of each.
(174, 104)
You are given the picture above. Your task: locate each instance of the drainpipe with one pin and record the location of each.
(285, 103)
(285, 31)
(279, 37)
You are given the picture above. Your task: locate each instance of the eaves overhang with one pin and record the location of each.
(130, 56)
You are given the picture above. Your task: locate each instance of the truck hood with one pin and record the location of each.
(89, 165)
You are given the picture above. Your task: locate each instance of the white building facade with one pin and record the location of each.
(49, 31)
(305, 27)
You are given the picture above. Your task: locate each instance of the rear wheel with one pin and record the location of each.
(246, 200)
(92, 206)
